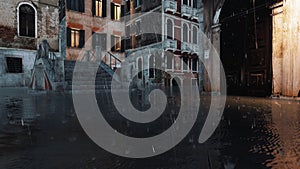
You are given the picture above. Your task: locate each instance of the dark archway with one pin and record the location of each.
(246, 47)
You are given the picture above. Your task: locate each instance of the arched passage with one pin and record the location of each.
(246, 47)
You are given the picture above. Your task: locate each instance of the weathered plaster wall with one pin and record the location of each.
(277, 54)
(86, 21)
(47, 24)
(17, 79)
(286, 50)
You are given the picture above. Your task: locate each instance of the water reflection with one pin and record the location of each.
(254, 133)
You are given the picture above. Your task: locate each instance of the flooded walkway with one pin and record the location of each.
(41, 131)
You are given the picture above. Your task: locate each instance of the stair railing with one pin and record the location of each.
(113, 60)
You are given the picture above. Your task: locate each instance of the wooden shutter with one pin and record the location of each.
(123, 44)
(104, 8)
(68, 37)
(94, 7)
(103, 41)
(69, 4)
(112, 11)
(112, 38)
(81, 6)
(82, 38)
(122, 12)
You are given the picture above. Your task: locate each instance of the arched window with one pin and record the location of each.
(169, 29)
(27, 20)
(195, 35)
(151, 67)
(185, 33)
(140, 68)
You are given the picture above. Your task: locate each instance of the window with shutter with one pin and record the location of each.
(117, 11)
(99, 8)
(99, 40)
(75, 38)
(116, 44)
(75, 5)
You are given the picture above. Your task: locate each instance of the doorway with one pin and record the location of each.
(246, 47)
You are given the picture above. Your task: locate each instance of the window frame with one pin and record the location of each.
(81, 37)
(35, 19)
(173, 29)
(99, 36)
(80, 8)
(182, 33)
(103, 8)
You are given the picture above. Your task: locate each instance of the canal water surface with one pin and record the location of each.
(41, 131)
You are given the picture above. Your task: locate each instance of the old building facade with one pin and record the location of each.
(24, 25)
(258, 44)
(164, 35)
(91, 26)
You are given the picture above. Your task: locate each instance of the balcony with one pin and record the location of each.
(186, 11)
(170, 44)
(195, 49)
(170, 6)
(186, 47)
(196, 13)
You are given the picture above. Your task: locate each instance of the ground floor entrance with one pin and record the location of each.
(246, 47)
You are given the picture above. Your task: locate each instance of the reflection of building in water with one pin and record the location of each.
(164, 35)
(286, 126)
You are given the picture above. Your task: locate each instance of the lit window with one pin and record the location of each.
(98, 8)
(116, 43)
(75, 38)
(117, 13)
(26, 21)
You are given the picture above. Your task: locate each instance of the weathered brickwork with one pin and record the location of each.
(14, 46)
(47, 24)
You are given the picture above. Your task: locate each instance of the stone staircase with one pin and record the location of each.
(84, 73)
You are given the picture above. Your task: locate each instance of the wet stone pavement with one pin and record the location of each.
(41, 131)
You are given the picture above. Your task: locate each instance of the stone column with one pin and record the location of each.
(215, 59)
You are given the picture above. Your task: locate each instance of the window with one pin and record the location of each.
(99, 40)
(191, 3)
(185, 33)
(195, 35)
(99, 8)
(169, 29)
(140, 68)
(27, 21)
(151, 67)
(138, 27)
(137, 3)
(185, 62)
(14, 65)
(195, 4)
(75, 38)
(116, 43)
(185, 2)
(194, 65)
(75, 5)
(169, 61)
(117, 11)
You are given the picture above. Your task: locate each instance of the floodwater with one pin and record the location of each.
(41, 131)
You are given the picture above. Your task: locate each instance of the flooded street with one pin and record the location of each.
(41, 131)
